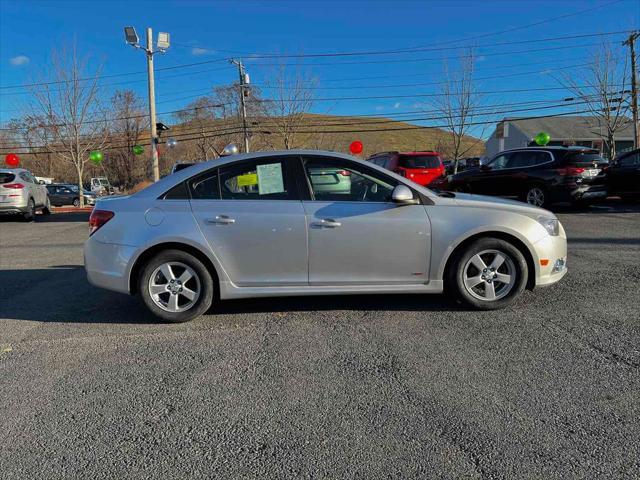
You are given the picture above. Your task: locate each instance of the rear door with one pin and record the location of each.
(524, 169)
(360, 237)
(252, 217)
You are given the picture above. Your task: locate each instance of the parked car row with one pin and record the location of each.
(22, 194)
(539, 176)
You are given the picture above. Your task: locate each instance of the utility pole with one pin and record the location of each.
(132, 39)
(630, 42)
(243, 107)
(152, 107)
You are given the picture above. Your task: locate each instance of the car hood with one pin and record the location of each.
(483, 201)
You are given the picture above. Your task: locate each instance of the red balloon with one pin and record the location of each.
(356, 147)
(12, 160)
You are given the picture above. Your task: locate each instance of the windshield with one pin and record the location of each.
(419, 161)
(6, 177)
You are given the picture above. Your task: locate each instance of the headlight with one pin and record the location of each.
(551, 225)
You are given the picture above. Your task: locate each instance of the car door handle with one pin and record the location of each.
(221, 220)
(326, 223)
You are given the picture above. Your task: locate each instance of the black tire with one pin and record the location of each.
(46, 210)
(456, 274)
(30, 214)
(534, 191)
(206, 284)
(76, 202)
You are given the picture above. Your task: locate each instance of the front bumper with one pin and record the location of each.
(551, 253)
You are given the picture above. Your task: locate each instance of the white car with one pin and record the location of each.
(22, 194)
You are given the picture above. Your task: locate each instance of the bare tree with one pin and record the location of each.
(129, 124)
(68, 104)
(458, 103)
(602, 87)
(293, 95)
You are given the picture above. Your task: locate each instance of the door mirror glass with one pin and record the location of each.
(403, 195)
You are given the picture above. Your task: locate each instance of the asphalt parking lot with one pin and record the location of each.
(91, 386)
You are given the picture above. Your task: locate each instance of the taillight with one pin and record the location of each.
(570, 171)
(344, 173)
(13, 185)
(98, 218)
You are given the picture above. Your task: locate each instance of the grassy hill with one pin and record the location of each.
(332, 132)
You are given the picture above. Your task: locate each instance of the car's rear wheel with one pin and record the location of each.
(176, 286)
(489, 274)
(30, 214)
(536, 195)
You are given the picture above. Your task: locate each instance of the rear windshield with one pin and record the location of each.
(585, 158)
(419, 161)
(6, 177)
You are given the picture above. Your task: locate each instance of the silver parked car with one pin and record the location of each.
(21, 193)
(266, 224)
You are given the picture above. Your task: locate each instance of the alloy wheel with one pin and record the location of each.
(174, 287)
(489, 275)
(535, 196)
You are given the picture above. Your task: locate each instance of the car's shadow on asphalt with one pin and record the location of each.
(77, 217)
(610, 206)
(63, 294)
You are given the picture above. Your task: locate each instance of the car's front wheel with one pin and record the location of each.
(176, 286)
(489, 274)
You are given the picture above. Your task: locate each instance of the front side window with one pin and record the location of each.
(528, 159)
(263, 179)
(500, 161)
(334, 180)
(630, 160)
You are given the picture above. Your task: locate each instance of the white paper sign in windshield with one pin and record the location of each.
(270, 179)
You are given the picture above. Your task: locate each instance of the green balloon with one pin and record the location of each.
(542, 138)
(138, 150)
(96, 157)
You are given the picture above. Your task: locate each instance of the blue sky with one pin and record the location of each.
(204, 31)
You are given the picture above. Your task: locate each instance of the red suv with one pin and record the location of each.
(420, 167)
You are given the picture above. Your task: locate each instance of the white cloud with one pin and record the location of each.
(379, 108)
(19, 61)
(200, 51)
(396, 105)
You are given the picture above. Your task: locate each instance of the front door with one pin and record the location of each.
(357, 236)
(493, 178)
(254, 222)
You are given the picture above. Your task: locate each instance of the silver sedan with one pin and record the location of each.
(302, 222)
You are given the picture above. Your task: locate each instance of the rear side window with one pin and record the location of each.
(264, 179)
(6, 177)
(419, 161)
(528, 159)
(179, 192)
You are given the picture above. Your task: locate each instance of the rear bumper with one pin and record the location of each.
(108, 265)
(13, 209)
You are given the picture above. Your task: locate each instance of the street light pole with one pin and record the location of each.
(132, 39)
(155, 170)
(630, 42)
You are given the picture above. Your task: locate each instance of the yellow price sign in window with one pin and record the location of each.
(247, 180)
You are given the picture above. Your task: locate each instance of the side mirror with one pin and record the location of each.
(403, 196)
